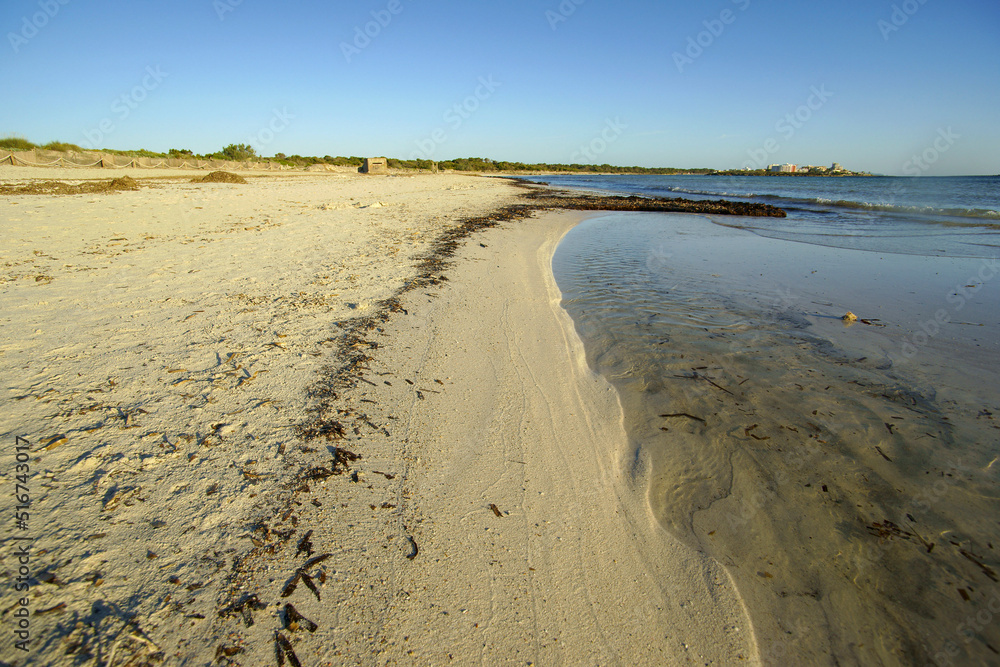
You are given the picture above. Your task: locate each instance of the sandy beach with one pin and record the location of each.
(258, 430)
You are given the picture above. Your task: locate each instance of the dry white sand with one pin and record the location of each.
(158, 349)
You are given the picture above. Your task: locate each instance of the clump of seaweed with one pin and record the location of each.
(125, 183)
(321, 428)
(220, 177)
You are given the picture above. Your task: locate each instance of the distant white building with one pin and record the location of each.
(836, 167)
(787, 168)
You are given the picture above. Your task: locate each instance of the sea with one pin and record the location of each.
(951, 216)
(814, 400)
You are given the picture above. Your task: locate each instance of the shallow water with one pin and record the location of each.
(946, 217)
(845, 475)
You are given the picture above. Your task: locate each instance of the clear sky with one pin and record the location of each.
(720, 83)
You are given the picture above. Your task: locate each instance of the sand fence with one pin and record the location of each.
(46, 158)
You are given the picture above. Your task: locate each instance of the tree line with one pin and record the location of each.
(247, 153)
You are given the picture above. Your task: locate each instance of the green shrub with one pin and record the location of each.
(342, 161)
(62, 146)
(16, 142)
(236, 153)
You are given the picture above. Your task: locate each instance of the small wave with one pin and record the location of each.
(955, 223)
(811, 204)
(713, 193)
(923, 210)
(930, 211)
(820, 202)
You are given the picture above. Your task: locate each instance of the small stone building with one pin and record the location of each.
(374, 165)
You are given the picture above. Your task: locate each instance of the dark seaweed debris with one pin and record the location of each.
(342, 460)
(321, 428)
(301, 575)
(124, 183)
(245, 608)
(305, 545)
(227, 652)
(340, 464)
(294, 620)
(683, 414)
(314, 561)
(283, 649)
(550, 200)
(307, 580)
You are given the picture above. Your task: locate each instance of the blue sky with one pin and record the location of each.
(724, 83)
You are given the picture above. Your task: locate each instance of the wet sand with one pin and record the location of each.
(843, 478)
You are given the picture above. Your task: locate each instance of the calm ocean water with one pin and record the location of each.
(953, 217)
(840, 473)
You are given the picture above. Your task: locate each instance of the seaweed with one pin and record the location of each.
(245, 608)
(294, 620)
(283, 649)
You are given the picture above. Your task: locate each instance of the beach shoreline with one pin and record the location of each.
(512, 489)
(198, 472)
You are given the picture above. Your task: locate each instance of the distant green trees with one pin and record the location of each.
(245, 153)
(352, 161)
(394, 163)
(487, 165)
(236, 153)
(300, 161)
